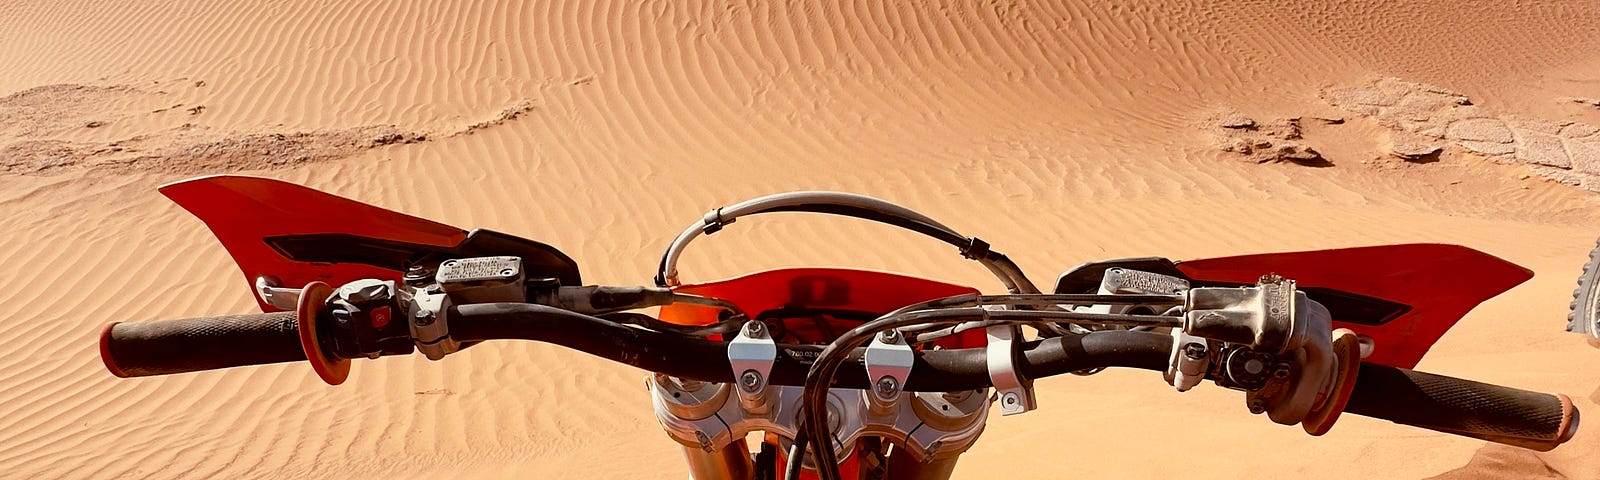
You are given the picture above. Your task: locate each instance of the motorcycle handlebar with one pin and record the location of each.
(176, 346)
(1499, 414)
(207, 343)
(1539, 421)
(705, 360)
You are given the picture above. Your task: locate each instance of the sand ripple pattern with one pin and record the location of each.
(1059, 131)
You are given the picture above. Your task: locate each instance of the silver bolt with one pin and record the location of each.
(750, 381)
(425, 318)
(888, 386)
(889, 336)
(755, 329)
(1012, 399)
(705, 442)
(1194, 351)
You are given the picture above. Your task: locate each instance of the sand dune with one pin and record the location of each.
(1059, 131)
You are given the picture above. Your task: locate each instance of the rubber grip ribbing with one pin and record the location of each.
(190, 345)
(1534, 420)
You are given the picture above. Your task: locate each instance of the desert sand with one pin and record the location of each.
(1060, 132)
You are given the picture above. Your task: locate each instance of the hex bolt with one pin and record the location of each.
(933, 449)
(1257, 406)
(425, 318)
(750, 381)
(705, 442)
(888, 386)
(1194, 351)
(1012, 399)
(889, 336)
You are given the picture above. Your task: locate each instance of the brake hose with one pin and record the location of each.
(850, 205)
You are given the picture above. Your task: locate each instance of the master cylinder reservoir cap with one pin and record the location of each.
(482, 279)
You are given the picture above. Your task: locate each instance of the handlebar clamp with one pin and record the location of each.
(1016, 391)
(752, 354)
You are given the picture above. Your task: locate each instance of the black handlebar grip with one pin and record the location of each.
(1534, 420)
(190, 345)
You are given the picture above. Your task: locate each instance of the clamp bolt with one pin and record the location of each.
(705, 442)
(425, 318)
(889, 336)
(1012, 399)
(1194, 351)
(888, 386)
(755, 329)
(750, 381)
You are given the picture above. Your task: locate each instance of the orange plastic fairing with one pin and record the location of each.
(817, 288)
(242, 211)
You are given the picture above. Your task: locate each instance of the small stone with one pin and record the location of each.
(1301, 155)
(1236, 120)
(388, 139)
(94, 124)
(1593, 102)
(1413, 148)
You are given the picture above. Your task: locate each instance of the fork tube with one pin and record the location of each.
(940, 468)
(731, 462)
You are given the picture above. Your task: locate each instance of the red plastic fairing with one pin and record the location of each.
(241, 211)
(834, 288)
(1441, 283)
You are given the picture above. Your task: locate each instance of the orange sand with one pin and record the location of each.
(1059, 133)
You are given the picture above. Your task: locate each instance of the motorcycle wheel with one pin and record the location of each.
(1584, 316)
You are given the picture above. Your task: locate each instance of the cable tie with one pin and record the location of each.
(713, 222)
(975, 249)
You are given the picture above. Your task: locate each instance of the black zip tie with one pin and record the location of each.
(975, 249)
(713, 222)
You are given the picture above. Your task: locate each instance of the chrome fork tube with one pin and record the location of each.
(730, 462)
